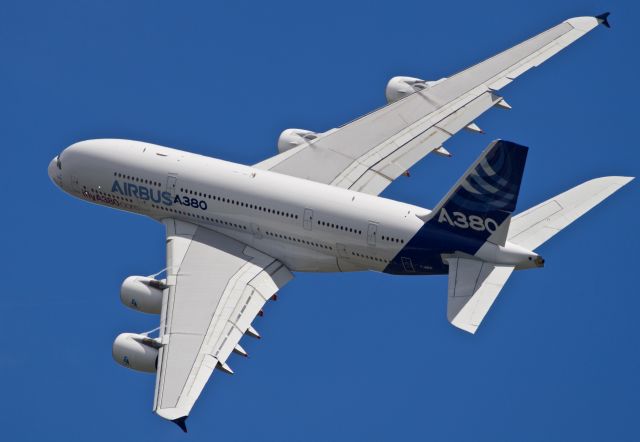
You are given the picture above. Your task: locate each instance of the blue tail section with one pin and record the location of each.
(486, 194)
(480, 202)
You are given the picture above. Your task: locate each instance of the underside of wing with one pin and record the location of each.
(367, 154)
(216, 287)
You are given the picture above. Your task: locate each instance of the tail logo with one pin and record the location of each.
(490, 185)
(463, 221)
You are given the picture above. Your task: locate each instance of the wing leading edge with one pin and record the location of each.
(217, 286)
(367, 154)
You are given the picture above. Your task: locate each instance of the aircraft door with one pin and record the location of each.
(407, 264)
(343, 252)
(255, 229)
(307, 220)
(372, 232)
(172, 183)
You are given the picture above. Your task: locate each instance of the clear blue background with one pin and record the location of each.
(343, 356)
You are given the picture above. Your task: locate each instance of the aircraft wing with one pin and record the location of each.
(367, 154)
(216, 287)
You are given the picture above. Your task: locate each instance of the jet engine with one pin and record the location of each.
(400, 87)
(290, 138)
(135, 351)
(142, 293)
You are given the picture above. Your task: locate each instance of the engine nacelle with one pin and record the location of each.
(290, 138)
(142, 293)
(400, 87)
(130, 351)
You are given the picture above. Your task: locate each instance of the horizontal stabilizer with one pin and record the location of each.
(473, 287)
(534, 227)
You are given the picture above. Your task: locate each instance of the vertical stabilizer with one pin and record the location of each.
(480, 204)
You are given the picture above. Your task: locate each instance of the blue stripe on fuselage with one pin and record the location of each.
(426, 248)
(477, 205)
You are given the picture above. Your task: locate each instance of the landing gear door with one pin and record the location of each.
(372, 232)
(307, 220)
(172, 183)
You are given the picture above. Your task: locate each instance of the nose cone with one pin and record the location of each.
(55, 174)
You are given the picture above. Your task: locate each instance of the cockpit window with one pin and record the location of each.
(58, 162)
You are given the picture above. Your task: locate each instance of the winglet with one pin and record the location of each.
(181, 422)
(603, 18)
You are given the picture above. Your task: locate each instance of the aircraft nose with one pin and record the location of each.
(54, 171)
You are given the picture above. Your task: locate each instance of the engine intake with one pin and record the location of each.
(135, 351)
(142, 293)
(290, 138)
(400, 87)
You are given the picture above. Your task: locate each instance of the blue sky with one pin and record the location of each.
(343, 356)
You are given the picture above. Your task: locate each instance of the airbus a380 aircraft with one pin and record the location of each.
(235, 233)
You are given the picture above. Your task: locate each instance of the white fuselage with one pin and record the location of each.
(306, 225)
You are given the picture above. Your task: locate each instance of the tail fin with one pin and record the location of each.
(485, 196)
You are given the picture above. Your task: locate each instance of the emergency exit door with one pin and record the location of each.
(372, 232)
(172, 183)
(307, 220)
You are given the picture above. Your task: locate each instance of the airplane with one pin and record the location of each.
(236, 233)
